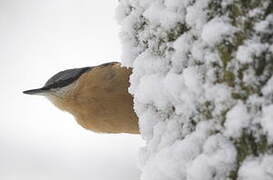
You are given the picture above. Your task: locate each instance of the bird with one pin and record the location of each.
(96, 96)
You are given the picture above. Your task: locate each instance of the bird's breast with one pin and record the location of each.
(101, 101)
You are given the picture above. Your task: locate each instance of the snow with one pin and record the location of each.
(216, 160)
(192, 79)
(249, 50)
(266, 25)
(187, 112)
(172, 161)
(257, 168)
(216, 30)
(159, 15)
(267, 121)
(157, 96)
(196, 14)
(237, 119)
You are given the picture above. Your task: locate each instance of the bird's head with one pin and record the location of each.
(60, 83)
(59, 88)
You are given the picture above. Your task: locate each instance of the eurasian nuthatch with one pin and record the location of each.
(97, 97)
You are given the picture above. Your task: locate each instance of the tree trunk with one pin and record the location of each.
(202, 85)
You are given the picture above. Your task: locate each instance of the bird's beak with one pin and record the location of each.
(40, 91)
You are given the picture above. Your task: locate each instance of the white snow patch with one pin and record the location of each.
(196, 16)
(174, 85)
(197, 51)
(268, 88)
(236, 119)
(192, 80)
(267, 121)
(147, 120)
(156, 96)
(171, 162)
(215, 162)
(182, 46)
(217, 92)
(254, 168)
(247, 52)
(158, 15)
(216, 30)
(265, 26)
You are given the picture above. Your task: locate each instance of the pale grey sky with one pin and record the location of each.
(37, 141)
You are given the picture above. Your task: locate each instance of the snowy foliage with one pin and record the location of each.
(202, 85)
